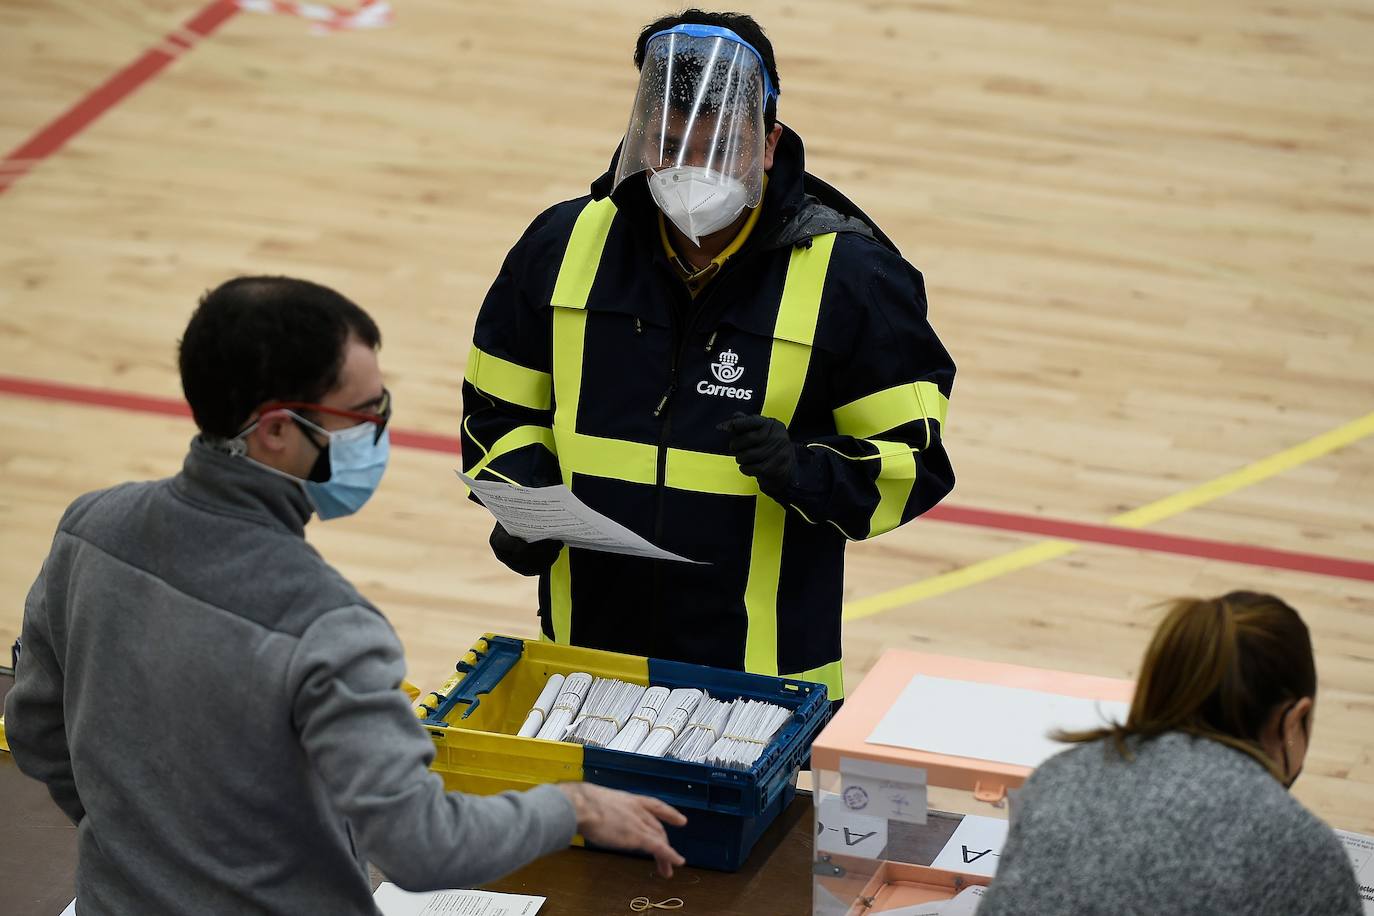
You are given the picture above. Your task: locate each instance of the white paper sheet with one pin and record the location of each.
(965, 903)
(544, 513)
(839, 830)
(986, 721)
(883, 790)
(1360, 848)
(975, 847)
(393, 901)
(70, 910)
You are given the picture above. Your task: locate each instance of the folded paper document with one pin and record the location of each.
(554, 513)
(393, 901)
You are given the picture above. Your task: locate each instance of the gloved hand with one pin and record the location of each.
(764, 451)
(528, 558)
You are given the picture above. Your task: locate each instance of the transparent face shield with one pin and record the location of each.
(697, 126)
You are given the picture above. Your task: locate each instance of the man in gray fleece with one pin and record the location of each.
(217, 708)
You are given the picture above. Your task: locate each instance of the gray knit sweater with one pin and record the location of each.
(217, 710)
(1190, 827)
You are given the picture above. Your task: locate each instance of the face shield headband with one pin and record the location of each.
(771, 92)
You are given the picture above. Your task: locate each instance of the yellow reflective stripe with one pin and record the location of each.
(704, 472)
(575, 277)
(761, 588)
(617, 459)
(801, 294)
(576, 274)
(560, 598)
(831, 675)
(793, 333)
(896, 477)
(569, 330)
(507, 380)
(583, 255)
(786, 374)
(517, 438)
(890, 408)
(637, 462)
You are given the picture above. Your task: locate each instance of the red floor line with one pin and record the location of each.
(97, 397)
(962, 515)
(110, 93)
(1153, 541)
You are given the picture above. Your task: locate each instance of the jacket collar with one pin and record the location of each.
(783, 197)
(796, 205)
(233, 485)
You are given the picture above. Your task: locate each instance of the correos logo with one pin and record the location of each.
(727, 370)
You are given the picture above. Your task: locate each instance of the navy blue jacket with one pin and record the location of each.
(866, 429)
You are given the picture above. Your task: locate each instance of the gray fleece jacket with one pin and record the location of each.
(217, 709)
(1190, 827)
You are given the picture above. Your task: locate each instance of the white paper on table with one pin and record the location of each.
(975, 847)
(965, 903)
(839, 830)
(393, 901)
(883, 790)
(1360, 848)
(554, 513)
(70, 910)
(987, 721)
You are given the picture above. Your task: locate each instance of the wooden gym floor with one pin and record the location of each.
(1146, 232)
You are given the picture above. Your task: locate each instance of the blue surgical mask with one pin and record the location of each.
(357, 460)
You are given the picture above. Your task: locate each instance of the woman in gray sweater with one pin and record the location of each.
(1184, 810)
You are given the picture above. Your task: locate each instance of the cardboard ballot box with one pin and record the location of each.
(911, 777)
(475, 716)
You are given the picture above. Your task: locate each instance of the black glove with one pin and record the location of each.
(764, 451)
(528, 558)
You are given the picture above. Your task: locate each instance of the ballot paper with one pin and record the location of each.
(393, 901)
(1360, 848)
(987, 721)
(975, 847)
(965, 903)
(554, 513)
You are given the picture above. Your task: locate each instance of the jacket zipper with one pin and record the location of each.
(657, 629)
(663, 410)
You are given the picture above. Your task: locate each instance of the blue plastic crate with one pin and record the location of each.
(475, 716)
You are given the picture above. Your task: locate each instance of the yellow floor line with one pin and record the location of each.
(981, 571)
(1156, 511)
(1247, 476)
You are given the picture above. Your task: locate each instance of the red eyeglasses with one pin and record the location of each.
(380, 416)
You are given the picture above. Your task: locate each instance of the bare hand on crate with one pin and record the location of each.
(620, 820)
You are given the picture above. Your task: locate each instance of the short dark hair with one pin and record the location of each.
(741, 24)
(259, 339)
